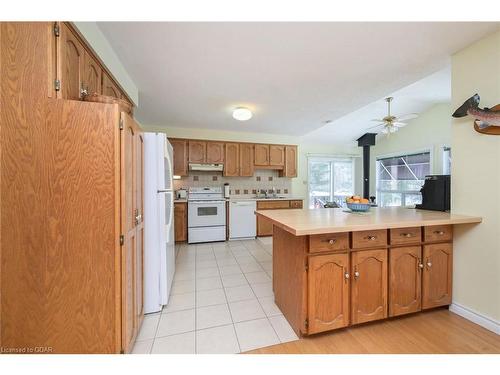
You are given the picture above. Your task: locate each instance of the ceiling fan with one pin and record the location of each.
(391, 124)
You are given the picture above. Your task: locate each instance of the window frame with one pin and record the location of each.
(403, 193)
(331, 160)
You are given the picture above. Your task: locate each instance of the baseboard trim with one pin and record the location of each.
(475, 317)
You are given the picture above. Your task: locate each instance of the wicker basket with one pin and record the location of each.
(124, 105)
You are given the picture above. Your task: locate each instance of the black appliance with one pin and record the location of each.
(435, 193)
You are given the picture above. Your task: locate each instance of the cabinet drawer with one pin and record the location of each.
(369, 239)
(295, 204)
(269, 205)
(404, 236)
(328, 242)
(438, 233)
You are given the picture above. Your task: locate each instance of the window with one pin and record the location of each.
(330, 180)
(400, 178)
(446, 160)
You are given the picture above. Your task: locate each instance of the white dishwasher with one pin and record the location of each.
(242, 220)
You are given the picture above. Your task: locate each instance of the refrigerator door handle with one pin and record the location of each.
(164, 191)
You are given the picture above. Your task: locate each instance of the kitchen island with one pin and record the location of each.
(332, 269)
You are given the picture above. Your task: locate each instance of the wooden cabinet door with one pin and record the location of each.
(109, 88)
(405, 279)
(264, 227)
(129, 231)
(139, 222)
(180, 152)
(276, 155)
(328, 291)
(92, 75)
(261, 155)
(232, 157)
(290, 169)
(180, 222)
(197, 151)
(215, 152)
(70, 64)
(437, 275)
(246, 160)
(369, 285)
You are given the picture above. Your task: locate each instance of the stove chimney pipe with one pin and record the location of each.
(366, 141)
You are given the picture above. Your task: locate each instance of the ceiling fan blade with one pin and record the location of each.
(378, 120)
(409, 116)
(399, 124)
(385, 131)
(376, 126)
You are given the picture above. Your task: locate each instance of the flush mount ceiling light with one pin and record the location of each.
(242, 114)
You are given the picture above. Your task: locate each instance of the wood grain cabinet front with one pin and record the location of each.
(276, 155)
(369, 285)
(405, 236)
(246, 159)
(197, 151)
(261, 155)
(180, 221)
(437, 233)
(109, 87)
(215, 153)
(405, 279)
(290, 168)
(92, 75)
(328, 292)
(296, 204)
(232, 160)
(369, 239)
(180, 154)
(328, 242)
(70, 52)
(437, 275)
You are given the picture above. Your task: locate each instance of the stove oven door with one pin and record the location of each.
(206, 213)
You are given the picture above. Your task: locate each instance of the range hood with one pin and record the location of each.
(206, 167)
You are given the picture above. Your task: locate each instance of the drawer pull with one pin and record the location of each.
(371, 238)
(331, 241)
(420, 264)
(407, 235)
(439, 232)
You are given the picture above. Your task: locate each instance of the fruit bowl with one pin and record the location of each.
(358, 207)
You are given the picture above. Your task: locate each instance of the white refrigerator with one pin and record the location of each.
(159, 245)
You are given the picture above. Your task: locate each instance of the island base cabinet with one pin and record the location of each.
(328, 292)
(405, 279)
(437, 275)
(369, 285)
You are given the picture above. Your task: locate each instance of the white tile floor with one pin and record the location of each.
(221, 302)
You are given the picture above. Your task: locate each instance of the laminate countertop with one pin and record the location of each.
(335, 220)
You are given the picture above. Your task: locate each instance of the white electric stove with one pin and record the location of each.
(206, 215)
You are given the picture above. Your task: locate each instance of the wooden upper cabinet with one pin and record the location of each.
(180, 151)
(246, 160)
(369, 285)
(92, 75)
(109, 87)
(277, 155)
(231, 165)
(70, 64)
(290, 169)
(328, 291)
(437, 275)
(261, 155)
(197, 151)
(405, 279)
(215, 153)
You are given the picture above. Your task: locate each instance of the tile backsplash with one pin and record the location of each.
(262, 179)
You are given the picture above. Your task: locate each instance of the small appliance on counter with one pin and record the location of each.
(435, 193)
(181, 194)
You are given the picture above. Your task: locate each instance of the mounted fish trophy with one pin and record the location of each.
(487, 120)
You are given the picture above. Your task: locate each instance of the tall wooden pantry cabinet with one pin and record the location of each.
(71, 202)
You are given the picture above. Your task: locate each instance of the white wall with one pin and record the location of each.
(476, 181)
(431, 131)
(298, 184)
(103, 49)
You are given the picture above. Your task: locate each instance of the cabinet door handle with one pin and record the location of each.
(420, 265)
(429, 263)
(356, 274)
(407, 235)
(346, 276)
